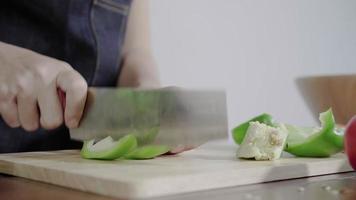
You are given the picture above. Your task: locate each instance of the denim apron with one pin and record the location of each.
(88, 34)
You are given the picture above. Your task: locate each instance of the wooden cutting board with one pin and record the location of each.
(211, 166)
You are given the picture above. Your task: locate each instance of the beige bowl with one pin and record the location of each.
(323, 92)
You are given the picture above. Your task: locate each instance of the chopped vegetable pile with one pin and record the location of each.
(255, 139)
(128, 147)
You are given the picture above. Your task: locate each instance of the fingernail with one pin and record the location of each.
(15, 125)
(72, 123)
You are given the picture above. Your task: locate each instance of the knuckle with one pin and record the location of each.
(79, 85)
(4, 89)
(24, 89)
(71, 80)
(45, 72)
(65, 65)
(25, 92)
(41, 73)
(3, 97)
(6, 94)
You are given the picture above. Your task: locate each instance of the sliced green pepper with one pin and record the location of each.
(311, 142)
(108, 149)
(145, 137)
(304, 141)
(127, 147)
(147, 152)
(239, 132)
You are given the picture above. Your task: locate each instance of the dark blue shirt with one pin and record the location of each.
(87, 34)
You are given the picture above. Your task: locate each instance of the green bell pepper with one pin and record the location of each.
(239, 132)
(304, 141)
(147, 152)
(146, 136)
(108, 149)
(315, 142)
(127, 147)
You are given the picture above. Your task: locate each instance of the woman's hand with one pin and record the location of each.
(28, 90)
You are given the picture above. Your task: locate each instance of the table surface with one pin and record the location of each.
(336, 186)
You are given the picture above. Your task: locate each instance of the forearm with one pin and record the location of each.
(139, 70)
(139, 67)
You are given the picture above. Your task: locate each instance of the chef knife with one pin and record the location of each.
(180, 117)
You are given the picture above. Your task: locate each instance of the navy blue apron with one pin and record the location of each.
(88, 34)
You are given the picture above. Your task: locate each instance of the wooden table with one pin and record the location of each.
(20, 188)
(320, 187)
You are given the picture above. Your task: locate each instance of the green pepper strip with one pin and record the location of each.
(239, 132)
(321, 143)
(121, 148)
(147, 152)
(127, 147)
(304, 142)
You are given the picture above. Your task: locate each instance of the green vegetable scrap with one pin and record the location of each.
(315, 142)
(146, 137)
(321, 141)
(147, 152)
(108, 149)
(240, 131)
(263, 142)
(127, 147)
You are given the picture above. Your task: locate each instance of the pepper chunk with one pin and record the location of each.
(263, 142)
(240, 131)
(147, 152)
(315, 142)
(128, 147)
(108, 149)
(321, 141)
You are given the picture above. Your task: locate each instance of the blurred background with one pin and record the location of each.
(254, 49)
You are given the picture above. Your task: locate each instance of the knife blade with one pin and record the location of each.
(170, 116)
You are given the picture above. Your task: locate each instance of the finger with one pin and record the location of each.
(28, 112)
(9, 114)
(62, 98)
(181, 149)
(75, 88)
(50, 108)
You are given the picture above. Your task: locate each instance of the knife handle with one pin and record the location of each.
(62, 98)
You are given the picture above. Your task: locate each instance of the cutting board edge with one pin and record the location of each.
(130, 190)
(145, 190)
(259, 178)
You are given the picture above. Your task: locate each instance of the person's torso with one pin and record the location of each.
(88, 34)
